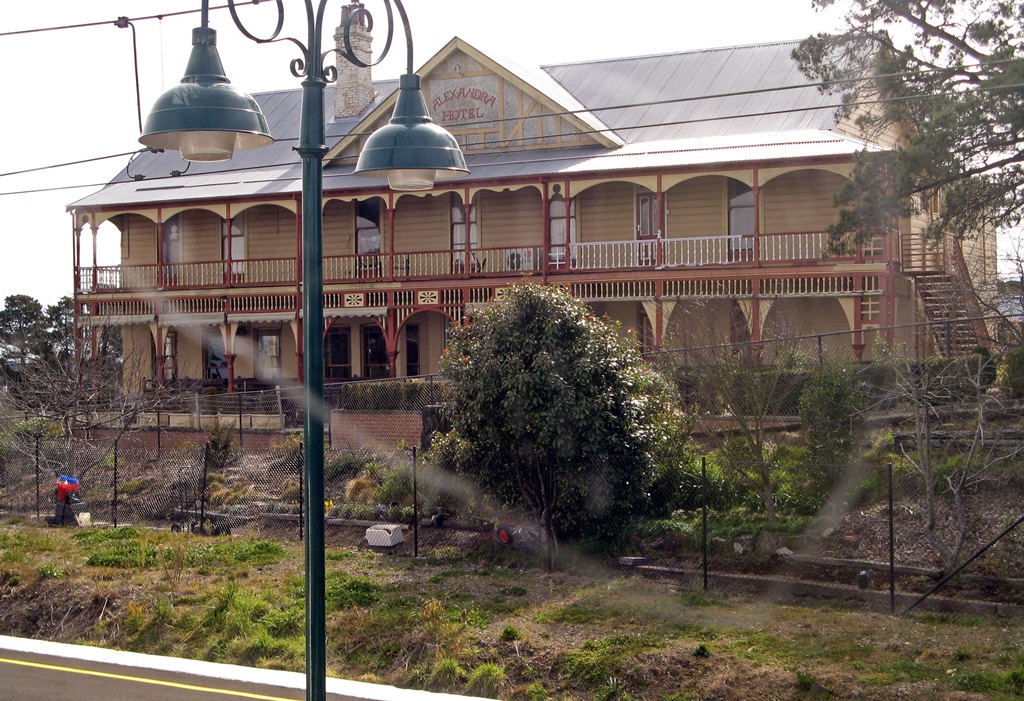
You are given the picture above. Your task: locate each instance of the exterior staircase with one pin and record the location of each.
(949, 301)
(944, 300)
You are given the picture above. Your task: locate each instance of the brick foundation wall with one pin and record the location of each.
(354, 429)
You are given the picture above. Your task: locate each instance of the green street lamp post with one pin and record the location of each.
(206, 119)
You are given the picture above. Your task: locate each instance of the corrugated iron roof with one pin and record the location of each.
(683, 81)
(555, 91)
(286, 179)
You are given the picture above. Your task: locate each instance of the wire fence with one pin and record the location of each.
(191, 486)
(389, 411)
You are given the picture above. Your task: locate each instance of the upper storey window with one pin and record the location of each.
(741, 221)
(557, 218)
(741, 209)
(233, 244)
(368, 218)
(170, 241)
(460, 224)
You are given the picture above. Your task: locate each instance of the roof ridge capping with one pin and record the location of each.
(707, 50)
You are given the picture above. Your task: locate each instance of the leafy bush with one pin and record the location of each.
(831, 413)
(509, 634)
(133, 487)
(541, 389)
(50, 571)
(1010, 374)
(344, 464)
(395, 486)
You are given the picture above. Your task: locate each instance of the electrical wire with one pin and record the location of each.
(85, 25)
(69, 163)
(500, 141)
(590, 110)
(538, 160)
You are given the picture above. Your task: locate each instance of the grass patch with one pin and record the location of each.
(613, 656)
(386, 623)
(99, 536)
(205, 557)
(27, 541)
(486, 680)
(575, 613)
(345, 591)
(123, 554)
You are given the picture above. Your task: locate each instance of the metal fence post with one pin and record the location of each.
(415, 509)
(892, 551)
(280, 408)
(202, 492)
(159, 431)
(37, 477)
(704, 518)
(302, 488)
(238, 396)
(114, 503)
(199, 416)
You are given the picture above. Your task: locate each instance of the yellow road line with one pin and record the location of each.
(143, 680)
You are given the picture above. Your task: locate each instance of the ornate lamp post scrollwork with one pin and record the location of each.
(206, 119)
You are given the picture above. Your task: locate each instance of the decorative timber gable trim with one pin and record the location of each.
(490, 107)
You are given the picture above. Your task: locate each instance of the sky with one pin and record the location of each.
(70, 94)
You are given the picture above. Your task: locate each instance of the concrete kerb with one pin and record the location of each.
(353, 690)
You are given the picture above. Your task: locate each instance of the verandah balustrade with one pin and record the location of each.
(665, 253)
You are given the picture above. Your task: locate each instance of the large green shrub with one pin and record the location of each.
(553, 412)
(831, 413)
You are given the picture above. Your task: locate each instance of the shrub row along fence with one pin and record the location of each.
(217, 490)
(195, 486)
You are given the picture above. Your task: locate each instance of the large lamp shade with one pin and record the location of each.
(411, 151)
(205, 117)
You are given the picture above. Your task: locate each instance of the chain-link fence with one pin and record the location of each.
(215, 487)
(365, 412)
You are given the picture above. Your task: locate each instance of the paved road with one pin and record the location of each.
(33, 677)
(35, 670)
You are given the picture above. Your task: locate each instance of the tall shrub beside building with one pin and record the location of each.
(552, 412)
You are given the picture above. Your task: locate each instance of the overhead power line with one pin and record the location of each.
(587, 110)
(69, 163)
(101, 23)
(536, 160)
(632, 127)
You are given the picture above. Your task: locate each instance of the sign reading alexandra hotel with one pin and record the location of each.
(464, 100)
(452, 105)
